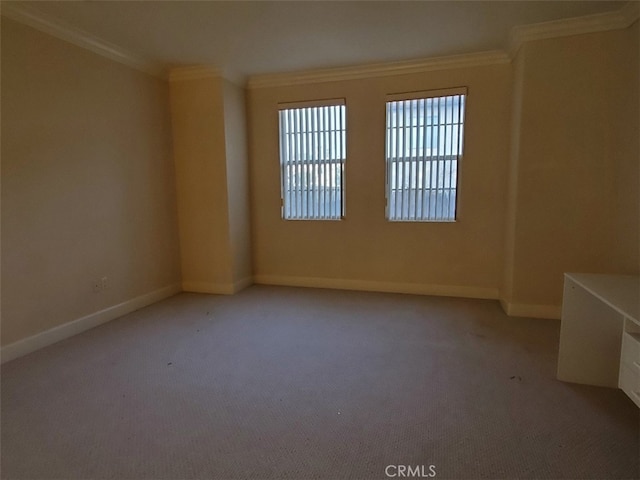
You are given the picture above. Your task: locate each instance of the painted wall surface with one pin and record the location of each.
(577, 166)
(626, 148)
(235, 128)
(88, 186)
(197, 116)
(548, 183)
(365, 247)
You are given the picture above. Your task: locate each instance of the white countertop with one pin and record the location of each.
(620, 292)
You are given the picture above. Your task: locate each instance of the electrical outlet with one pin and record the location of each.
(104, 282)
(96, 287)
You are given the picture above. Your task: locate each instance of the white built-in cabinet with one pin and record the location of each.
(600, 332)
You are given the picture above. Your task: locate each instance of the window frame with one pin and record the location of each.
(458, 121)
(333, 131)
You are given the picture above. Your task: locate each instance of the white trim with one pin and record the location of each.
(441, 92)
(217, 288)
(234, 77)
(599, 22)
(194, 72)
(242, 284)
(197, 72)
(373, 286)
(631, 12)
(620, 19)
(615, 20)
(378, 69)
(74, 327)
(552, 312)
(209, 287)
(45, 23)
(328, 102)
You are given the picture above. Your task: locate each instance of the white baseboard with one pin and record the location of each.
(372, 286)
(242, 284)
(217, 288)
(552, 312)
(69, 329)
(208, 287)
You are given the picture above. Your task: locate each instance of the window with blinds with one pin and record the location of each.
(312, 156)
(423, 149)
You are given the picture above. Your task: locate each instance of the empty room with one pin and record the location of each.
(320, 240)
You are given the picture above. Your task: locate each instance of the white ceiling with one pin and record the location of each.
(247, 38)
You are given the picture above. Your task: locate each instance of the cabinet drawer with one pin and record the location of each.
(630, 353)
(629, 381)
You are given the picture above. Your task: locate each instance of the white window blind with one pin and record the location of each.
(423, 148)
(312, 156)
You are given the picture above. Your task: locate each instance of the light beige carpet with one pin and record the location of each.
(287, 383)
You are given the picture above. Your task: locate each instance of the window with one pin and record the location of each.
(423, 149)
(312, 156)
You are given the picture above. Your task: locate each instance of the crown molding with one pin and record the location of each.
(378, 69)
(631, 11)
(519, 35)
(600, 22)
(194, 72)
(615, 20)
(28, 16)
(235, 77)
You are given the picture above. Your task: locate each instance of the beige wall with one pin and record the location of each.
(625, 143)
(464, 257)
(548, 184)
(576, 163)
(87, 183)
(197, 116)
(209, 136)
(235, 128)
